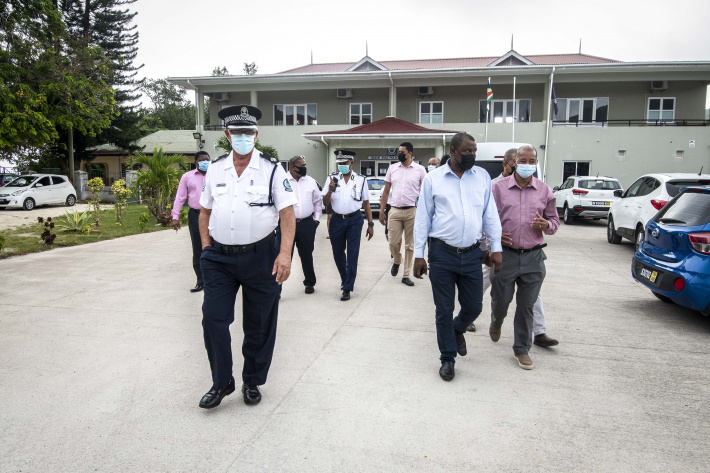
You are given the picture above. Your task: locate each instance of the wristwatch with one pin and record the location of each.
(370, 224)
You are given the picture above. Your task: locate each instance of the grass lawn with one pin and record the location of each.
(26, 239)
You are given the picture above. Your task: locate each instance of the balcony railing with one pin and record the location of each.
(634, 122)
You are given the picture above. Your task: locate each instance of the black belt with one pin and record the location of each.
(194, 210)
(520, 251)
(403, 208)
(299, 220)
(234, 249)
(453, 248)
(336, 214)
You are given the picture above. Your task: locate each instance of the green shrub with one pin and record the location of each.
(75, 221)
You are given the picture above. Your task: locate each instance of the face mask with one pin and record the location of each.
(203, 165)
(467, 161)
(343, 168)
(526, 170)
(431, 167)
(402, 157)
(301, 170)
(243, 144)
(512, 169)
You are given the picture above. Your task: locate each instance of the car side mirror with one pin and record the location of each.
(555, 189)
(618, 193)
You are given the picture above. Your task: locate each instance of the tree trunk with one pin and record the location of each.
(70, 144)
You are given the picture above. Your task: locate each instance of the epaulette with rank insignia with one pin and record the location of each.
(270, 158)
(221, 157)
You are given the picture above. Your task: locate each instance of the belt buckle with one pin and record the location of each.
(460, 250)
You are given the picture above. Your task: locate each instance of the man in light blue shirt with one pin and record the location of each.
(455, 207)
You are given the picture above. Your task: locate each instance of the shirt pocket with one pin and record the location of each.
(257, 195)
(219, 195)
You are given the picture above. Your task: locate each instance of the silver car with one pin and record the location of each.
(32, 190)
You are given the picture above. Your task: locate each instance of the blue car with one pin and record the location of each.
(674, 259)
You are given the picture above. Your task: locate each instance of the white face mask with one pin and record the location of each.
(431, 167)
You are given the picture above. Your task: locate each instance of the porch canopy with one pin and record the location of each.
(382, 134)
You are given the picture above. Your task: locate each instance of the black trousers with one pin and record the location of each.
(304, 240)
(193, 216)
(224, 276)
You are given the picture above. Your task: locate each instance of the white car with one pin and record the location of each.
(585, 197)
(642, 200)
(32, 190)
(375, 186)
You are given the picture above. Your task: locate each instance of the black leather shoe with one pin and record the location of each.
(309, 290)
(543, 340)
(407, 281)
(251, 394)
(345, 296)
(471, 328)
(447, 370)
(395, 269)
(197, 288)
(215, 396)
(460, 343)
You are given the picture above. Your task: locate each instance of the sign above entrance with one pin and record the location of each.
(382, 158)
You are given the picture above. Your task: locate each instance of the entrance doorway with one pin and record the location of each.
(367, 168)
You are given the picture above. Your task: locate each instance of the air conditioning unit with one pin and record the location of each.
(220, 96)
(424, 91)
(345, 93)
(659, 85)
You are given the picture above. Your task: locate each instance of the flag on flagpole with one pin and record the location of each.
(489, 94)
(554, 99)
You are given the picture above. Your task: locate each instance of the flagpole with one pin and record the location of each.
(514, 109)
(547, 132)
(488, 109)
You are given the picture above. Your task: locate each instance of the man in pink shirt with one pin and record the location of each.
(190, 188)
(404, 180)
(527, 211)
(308, 210)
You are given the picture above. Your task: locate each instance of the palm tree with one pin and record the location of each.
(159, 182)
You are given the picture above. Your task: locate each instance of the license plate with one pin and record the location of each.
(601, 203)
(648, 274)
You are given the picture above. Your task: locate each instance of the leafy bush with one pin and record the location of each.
(143, 218)
(122, 194)
(95, 185)
(159, 182)
(75, 222)
(47, 235)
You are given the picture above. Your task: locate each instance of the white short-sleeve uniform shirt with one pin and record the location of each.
(233, 220)
(347, 198)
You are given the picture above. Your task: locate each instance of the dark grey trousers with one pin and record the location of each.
(527, 271)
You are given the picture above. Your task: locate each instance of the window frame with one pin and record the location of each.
(505, 102)
(295, 113)
(660, 110)
(580, 120)
(431, 113)
(576, 169)
(359, 115)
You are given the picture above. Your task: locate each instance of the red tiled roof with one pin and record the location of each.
(542, 60)
(385, 126)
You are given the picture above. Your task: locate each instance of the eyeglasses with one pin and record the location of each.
(242, 132)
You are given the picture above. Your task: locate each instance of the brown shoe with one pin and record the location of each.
(471, 328)
(524, 361)
(543, 340)
(494, 331)
(309, 290)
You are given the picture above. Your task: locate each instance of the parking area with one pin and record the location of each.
(102, 365)
(11, 218)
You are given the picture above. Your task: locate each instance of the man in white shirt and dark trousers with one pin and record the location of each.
(245, 195)
(455, 206)
(308, 210)
(347, 193)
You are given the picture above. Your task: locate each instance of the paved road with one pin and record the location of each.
(102, 365)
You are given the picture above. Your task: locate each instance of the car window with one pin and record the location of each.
(634, 189)
(375, 184)
(649, 185)
(58, 180)
(568, 183)
(600, 184)
(45, 181)
(22, 181)
(674, 187)
(494, 168)
(688, 209)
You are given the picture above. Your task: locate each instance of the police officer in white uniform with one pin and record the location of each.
(244, 196)
(347, 193)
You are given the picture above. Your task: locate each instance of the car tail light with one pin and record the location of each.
(700, 242)
(679, 284)
(579, 192)
(658, 204)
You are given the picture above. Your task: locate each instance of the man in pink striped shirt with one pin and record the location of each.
(190, 189)
(527, 211)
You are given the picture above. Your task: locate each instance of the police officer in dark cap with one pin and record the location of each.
(347, 193)
(245, 194)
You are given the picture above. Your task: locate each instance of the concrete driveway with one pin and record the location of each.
(10, 218)
(102, 365)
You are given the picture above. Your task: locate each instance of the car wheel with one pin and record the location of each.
(28, 204)
(663, 298)
(638, 239)
(567, 216)
(71, 200)
(611, 235)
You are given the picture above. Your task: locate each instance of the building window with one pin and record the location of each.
(294, 115)
(588, 110)
(575, 168)
(360, 113)
(431, 112)
(503, 111)
(661, 109)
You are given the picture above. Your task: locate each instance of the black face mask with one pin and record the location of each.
(301, 170)
(512, 169)
(402, 157)
(467, 161)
